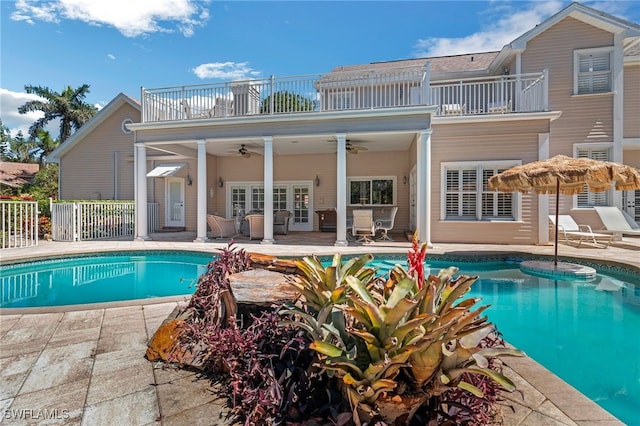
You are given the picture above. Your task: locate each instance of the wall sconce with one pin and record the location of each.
(211, 192)
(505, 70)
(317, 181)
(189, 180)
(220, 182)
(404, 180)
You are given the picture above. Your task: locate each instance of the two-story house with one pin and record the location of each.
(424, 135)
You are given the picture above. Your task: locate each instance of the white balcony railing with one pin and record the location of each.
(346, 90)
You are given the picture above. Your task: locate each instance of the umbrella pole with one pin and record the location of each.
(555, 254)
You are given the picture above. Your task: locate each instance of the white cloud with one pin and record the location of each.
(226, 71)
(111, 56)
(131, 18)
(505, 24)
(9, 103)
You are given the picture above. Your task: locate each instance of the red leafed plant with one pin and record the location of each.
(415, 259)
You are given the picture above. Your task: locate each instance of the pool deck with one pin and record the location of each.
(85, 365)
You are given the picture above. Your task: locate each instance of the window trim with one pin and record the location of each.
(479, 166)
(393, 179)
(577, 54)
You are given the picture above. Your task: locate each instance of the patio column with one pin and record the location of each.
(423, 186)
(341, 191)
(141, 192)
(543, 201)
(201, 191)
(268, 191)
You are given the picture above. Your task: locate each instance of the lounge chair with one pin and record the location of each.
(615, 222)
(221, 227)
(385, 224)
(574, 232)
(363, 228)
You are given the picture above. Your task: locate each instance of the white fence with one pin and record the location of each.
(87, 220)
(19, 224)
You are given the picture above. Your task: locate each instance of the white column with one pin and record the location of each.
(268, 191)
(543, 200)
(516, 105)
(141, 192)
(617, 82)
(423, 186)
(341, 191)
(201, 193)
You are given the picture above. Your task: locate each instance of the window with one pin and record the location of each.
(466, 193)
(591, 199)
(592, 71)
(371, 191)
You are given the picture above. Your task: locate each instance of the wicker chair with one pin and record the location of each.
(221, 227)
(281, 222)
(256, 226)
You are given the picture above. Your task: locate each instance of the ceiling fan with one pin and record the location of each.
(354, 149)
(244, 152)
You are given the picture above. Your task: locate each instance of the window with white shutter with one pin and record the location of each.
(592, 71)
(587, 198)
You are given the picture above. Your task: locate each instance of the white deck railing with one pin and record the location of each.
(347, 90)
(86, 220)
(19, 224)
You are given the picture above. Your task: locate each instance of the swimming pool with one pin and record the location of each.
(586, 332)
(102, 277)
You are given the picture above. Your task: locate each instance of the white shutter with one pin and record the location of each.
(587, 198)
(594, 72)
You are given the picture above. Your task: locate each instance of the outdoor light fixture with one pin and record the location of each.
(220, 182)
(404, 180)
(189, 180)
(317, 181)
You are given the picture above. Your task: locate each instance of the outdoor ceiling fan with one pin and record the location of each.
(354, 149)
(244, 152)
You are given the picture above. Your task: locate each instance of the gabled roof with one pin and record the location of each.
(90, 125)
(17, 174)
(598, 19)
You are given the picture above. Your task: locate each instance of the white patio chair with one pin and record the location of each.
(363, 228)
(384, 225)
(572, 231)
(615, 222)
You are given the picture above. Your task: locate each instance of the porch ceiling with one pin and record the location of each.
(316, 144)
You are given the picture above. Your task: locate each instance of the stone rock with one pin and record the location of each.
(165, 345)
(261, 287)
(272, 263)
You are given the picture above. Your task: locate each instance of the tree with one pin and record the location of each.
(15, 149)
(45, 145)
(45, 183)
(285, 101)
(68, 106)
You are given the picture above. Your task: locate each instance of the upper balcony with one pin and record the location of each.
(347, 91)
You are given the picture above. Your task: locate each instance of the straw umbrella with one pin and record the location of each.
(568, 176)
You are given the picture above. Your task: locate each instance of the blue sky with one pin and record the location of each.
(121, 45)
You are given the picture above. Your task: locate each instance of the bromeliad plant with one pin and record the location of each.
(406, 336)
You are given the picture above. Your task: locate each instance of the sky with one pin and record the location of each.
(119, 46)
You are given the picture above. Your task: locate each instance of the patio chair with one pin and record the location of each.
(281, 222)
(614, 222)
(363, 228)
(384, 225)
(453, 109)
(221, 227)
(572, 231)
(256, 226)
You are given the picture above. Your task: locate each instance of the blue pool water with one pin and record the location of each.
(587, 333)
(100, 278)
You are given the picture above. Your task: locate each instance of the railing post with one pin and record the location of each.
(371, 89)
(545, 89)
(144, 105)
(427, 77)
(272, 93)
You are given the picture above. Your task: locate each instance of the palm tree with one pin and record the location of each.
(68, 106)
(45, 145)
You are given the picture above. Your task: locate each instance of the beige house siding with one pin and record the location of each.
(478, 142)
(585, 118)
(631, 101)
(101, 167)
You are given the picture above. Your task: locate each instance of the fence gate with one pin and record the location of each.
(81, 221)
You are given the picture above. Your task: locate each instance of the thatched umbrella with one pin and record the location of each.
(568, 176)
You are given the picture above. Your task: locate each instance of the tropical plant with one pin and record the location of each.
(408, 335)
(68, 106)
